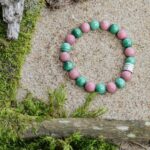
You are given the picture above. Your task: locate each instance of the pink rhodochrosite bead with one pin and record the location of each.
(90, 87)
(130, 52)
(126, 75)
(74, 73)
(85, 27)
(105, 25)
(111, 87)
(70, 39)
(122, 34)
(64, 56)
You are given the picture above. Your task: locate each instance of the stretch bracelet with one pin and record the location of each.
(82, 81)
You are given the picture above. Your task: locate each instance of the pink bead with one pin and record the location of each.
(105, 25)
(74, 73)
(122, 34)
(70, 39)
(111, 87)
(126, 75)
(85, 27)
(129, 52)
(64, 56)
(90, 87)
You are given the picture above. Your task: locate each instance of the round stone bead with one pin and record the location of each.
(130, 60)
(94, 25)
(120, 82)
(66, 47)
(70, 39)
(85, 27)
(114, 29)
(74, 73)
(90, 87)
(81, 81)
(126, 75)
(64, 56)
(130, 52)
(122, 34)
(105, 25)
(68, 65)
(101, 88)
(127, 42)
(77, 32)
(111, 87)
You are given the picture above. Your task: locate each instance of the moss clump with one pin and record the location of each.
(74, 142)
(12, 53)
(16, 117)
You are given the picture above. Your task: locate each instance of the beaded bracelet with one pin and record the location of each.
(80, 80)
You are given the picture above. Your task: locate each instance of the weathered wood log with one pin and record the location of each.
(108, 129)
(12, 15)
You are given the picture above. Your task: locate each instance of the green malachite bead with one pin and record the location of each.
(68, 65)
(130, 60)
(127, 42)
(101, 88)
(81, 81)
(66, 47)
(94, 25)
(120, 83)
(77, 32)
(114, 29)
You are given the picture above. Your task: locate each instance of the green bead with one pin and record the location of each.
(114, 29)
(66, 47)
(81, 81)
(77, 32)
(101, 88)
(94, 25)
(130, 60)
(127, 42)
(120, 83)
(68, 65)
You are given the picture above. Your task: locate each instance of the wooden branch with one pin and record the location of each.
(108, 129)
(12, 15)
(56, 4)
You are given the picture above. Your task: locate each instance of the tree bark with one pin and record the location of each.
(55, 4)
(12, 15)
(107, 129)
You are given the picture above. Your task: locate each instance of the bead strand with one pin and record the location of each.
(81, 81)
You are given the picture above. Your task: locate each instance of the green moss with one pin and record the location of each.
(12, 53)
(83, 110)
(74, 142)
(16, 117)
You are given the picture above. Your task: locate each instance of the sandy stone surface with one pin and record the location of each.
(98, 55)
